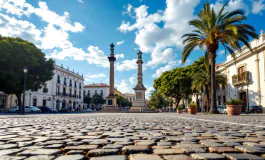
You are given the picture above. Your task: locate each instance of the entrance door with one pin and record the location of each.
(44, 102)
(243, 98)
(35, 102)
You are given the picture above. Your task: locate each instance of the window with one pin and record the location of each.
(101, 92)
(58, 79)
(88, 93)
(64, 82)
(241, 69)
(35, 102)
(45, 85)
(219, 100)
(96, 92)
(70, 82)
(64, 91)
(224, 99)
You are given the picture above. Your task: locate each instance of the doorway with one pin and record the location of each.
(243, 98)
(44, 102)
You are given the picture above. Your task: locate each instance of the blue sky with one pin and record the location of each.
(77, 33)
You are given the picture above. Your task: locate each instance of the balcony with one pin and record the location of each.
(240, 79)
(45, 90)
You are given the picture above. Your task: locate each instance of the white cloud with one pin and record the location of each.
(124, 87)
(93, 56)
(53, 18)
(97, 56)
(148, 91)
(232, 5)
(158, 40)
(55, 38)
(221, 52)
(119, 43)
(126, 65)
(132, 80)
(101, 75)
(128, 10)
(80, 1)
(18, 28)
(118, 56)
(258, 6)
(167, 67)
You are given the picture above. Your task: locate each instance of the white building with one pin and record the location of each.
(245, 76)
(130, 97)
(3, 101)
(101, 89)
(64, 90)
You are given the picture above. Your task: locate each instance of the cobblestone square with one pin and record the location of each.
(131, 136)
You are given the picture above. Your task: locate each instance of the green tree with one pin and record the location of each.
(87, 99)
(157, 100)
(15, 54)
(98, 99)
(213, 29)
(121, 101)
(175, 83)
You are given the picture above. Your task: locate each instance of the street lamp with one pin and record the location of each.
(25, 75)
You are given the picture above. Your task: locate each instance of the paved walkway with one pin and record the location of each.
(132, 136)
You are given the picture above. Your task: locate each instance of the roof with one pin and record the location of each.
(129, 94)
(96, 85)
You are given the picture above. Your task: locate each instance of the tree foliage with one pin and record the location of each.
(87, 99)
(213, 29)
(121, 101)
(175, 83)
(16, 53)
(157, 100)
(98, 99)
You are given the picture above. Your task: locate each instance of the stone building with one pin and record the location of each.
(64, 90)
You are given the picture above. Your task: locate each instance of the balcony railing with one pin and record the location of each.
(45, 90)
(240, 79)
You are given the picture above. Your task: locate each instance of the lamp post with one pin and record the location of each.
(25, 75)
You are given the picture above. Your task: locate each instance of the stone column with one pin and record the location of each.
(258, 78)
(111, 79)
(111, 104)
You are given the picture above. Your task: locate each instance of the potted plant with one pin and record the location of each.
(179, 109)
(233, 106)
(192, 108)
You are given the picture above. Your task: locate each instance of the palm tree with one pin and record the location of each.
(202, 79)
(213, 29)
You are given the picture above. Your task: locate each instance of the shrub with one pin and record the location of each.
(180, 107)
(234, 102)
(192, 105)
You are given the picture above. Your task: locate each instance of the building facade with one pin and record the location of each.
(130, 97)
(94, 88)
(64, 90)
(245, 76)
(3, 101)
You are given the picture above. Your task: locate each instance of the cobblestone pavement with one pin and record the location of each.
(131, 136)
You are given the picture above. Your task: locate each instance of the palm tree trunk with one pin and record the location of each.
(207, 96)
(213, 108)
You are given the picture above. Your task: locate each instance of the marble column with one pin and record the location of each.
(111, 99)
(258, 78)
(139, 103)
